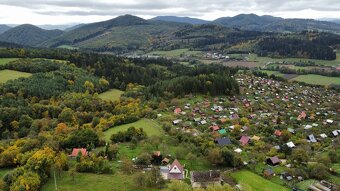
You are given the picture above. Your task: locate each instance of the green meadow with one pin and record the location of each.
(6, 75)
(111, 95)
(149, 126)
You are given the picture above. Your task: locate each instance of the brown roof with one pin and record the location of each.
(176, 163)
(206, 176)
(275, 159)
(244, 140)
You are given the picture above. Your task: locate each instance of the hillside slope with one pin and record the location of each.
(28, 35)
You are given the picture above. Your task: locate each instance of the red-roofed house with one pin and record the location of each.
(76, 151)
(303, 115)
(176, 171)
(214, 128)
(278, 133)
(177, 110)
(244, 140)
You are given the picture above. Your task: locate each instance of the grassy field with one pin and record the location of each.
(6, 75)
(175, 53)
(264, 60)
(111, 95)
(4, 171)
(317, 79)
(305, 184)
(149, 126)
(4, 61)
(90, 182)
(256, 182)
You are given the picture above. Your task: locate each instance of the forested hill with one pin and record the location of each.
(28, 35)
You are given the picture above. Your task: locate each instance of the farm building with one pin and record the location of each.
(76, 151)
(273, 161)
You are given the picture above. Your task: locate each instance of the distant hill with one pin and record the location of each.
(28, 35)
(74, 27)
(4, 28)
(188, 20)
(122, 33)
(277, 24)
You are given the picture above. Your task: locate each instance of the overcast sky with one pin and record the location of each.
(85, 11)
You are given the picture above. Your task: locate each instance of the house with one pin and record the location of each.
(273, 161)
(278, 133)
(176, 171)
(329, 121)
(290, 144)
(308, 127)
(286, 175)
(335, 133)
(255, 138)
(76, 151)
(268, 172)
(205, 178)
(323, 135)
(176, 122)
(222, 131)
(214, 127)
(311, 138)
(177, 110)
(165, 161)
(223, 141)
(244, 140)
(291, 130)
(302, 116)
(238, 150)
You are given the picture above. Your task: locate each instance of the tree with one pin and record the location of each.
(334, 156)
(89, 86)
(225, 187)
(112, 151)
(178, 186)
(299, 155)
(29, 181)
(127, 166)
(191, 158)
(143, 159)
(215, 156)
(318, 171)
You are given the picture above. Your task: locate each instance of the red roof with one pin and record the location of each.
(75, 152)
(178, 110)
(278, 133)
(303, 115)
(244, 140)
(176, 163)
(214, 127)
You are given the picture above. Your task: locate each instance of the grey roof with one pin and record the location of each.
(223, 141)
(311, 138)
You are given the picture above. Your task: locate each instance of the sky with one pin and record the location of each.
(57, 12)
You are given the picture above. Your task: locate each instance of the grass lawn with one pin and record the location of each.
(90, 182)
(149, 126)
(175, 53)
(256, 182)
(305, 184)
(4, 171)
(264, 60)
(317, 79)
(6, 75)
(111, 95)
(4, 61)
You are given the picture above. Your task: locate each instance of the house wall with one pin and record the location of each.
(204, 184)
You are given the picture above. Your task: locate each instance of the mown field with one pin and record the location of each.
(4, 61)
(175, 53)
(111, 95)
(254, 182)
(263, 60)
(149, 126)
(6, 75)
(92, 182)
(309, 79)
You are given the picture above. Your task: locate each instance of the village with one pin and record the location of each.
(270, 119)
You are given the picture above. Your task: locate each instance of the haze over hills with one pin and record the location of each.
(4, 28)
(188, 20)
(28, 35)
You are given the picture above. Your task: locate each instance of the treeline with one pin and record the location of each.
(212, 84)
(294, 47)
(318, 71)
(32, 66)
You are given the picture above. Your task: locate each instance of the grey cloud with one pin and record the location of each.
(168, 7)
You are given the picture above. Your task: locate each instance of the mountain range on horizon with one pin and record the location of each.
(139, 31)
